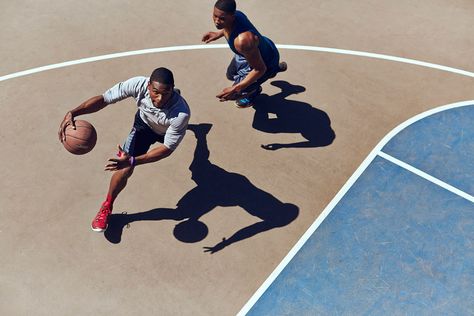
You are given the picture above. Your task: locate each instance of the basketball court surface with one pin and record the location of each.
(362, 203)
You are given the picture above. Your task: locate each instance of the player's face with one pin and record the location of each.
(222, 19)
(160, 93)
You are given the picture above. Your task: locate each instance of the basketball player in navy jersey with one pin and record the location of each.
(256, 56)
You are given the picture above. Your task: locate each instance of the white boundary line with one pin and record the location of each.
(354, 176)
(427, 176)
(212, 46)
(110, 56)
(376, 151)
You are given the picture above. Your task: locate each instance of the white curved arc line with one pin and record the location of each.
(110, 56)
(375, 152)
(212, 46)
(378, 56)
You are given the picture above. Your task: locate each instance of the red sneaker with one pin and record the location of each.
(99, 224)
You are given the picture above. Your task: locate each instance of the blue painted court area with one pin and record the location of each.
(396, 243)
(441, 145)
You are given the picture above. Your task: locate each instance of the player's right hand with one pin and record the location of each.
(210, 36)
(68, 120)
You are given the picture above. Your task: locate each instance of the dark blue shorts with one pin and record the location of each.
(141, 137)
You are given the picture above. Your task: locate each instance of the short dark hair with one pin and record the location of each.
(162, 75)
(227, 6)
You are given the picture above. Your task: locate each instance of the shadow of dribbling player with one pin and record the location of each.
(291, 117)
(214, 187)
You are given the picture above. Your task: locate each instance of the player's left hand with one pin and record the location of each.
(229, 93)
(122, 161)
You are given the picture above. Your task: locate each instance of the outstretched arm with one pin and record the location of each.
(91, 105)
(124, 160)
(153, 155)
(212, 36)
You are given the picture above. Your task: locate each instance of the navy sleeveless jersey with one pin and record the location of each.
(267, 48)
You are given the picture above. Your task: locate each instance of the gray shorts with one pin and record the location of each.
(239, 68)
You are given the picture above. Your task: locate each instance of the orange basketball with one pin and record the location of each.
(81, 140)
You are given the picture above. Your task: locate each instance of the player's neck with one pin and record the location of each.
(228, 30)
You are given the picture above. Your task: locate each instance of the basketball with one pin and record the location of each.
(81, 140)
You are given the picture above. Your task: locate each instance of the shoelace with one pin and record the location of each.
(245, 100)
(103, 213)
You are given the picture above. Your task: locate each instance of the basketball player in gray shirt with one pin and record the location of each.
(162, 117)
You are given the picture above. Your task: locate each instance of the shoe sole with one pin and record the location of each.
(244, 106)
(99, 230)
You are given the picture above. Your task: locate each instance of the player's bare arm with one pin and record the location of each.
(91, 105)
(247, 45)
(212, 36)
(124, 160)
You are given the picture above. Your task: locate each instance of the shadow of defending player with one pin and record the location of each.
(291, 117)
(215, 187)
